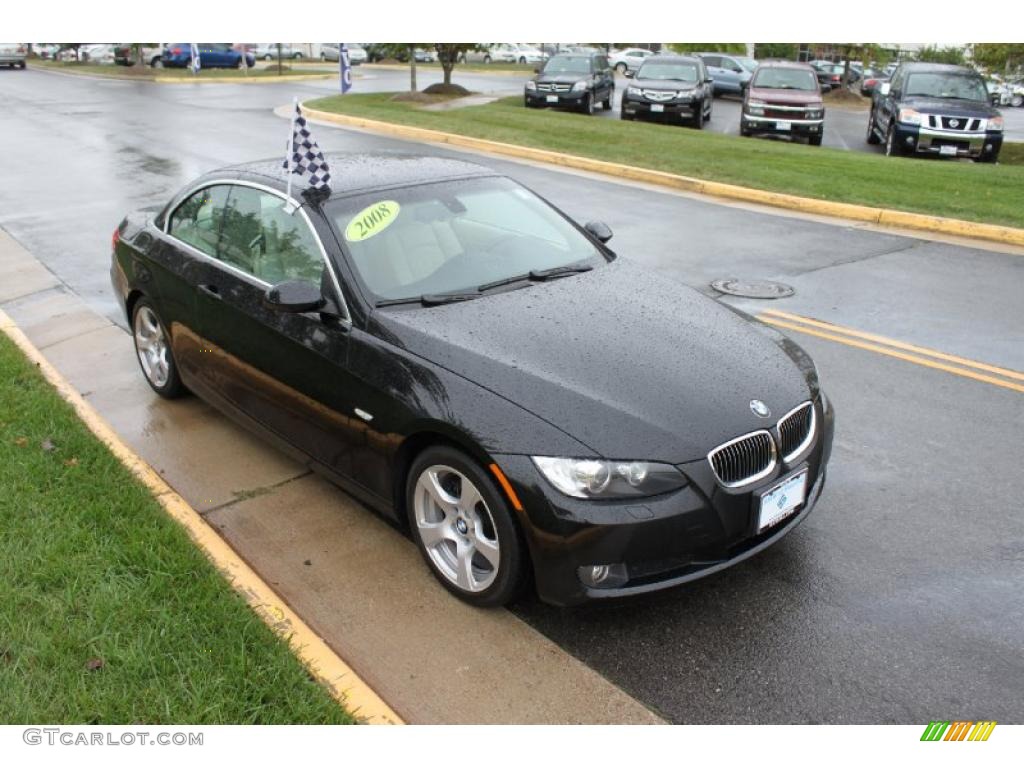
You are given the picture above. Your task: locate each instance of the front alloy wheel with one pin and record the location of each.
(872, 137)
(463, 527)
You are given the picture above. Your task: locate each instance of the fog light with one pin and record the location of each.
(909, 140)
(603, 576)
(988, 147)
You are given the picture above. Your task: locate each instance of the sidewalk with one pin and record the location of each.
(359, 583)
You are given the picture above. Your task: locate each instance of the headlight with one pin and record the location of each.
(531, 85)
(910, 116)
(755, 107)
(601, 479)
(582, 85)
(995, 123)
(632, 90)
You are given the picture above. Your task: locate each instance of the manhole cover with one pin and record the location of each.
(753, 289)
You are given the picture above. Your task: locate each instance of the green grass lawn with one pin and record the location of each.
(109, 613)
(149, 73)
(985, 193)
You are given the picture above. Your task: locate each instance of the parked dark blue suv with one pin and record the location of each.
(211, 55)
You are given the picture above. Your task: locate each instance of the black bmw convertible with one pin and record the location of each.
(461, 356)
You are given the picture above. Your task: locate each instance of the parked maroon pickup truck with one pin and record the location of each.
(784, 98)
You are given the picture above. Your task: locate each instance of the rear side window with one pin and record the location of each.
(712, 61)
(198, 220)
(260, 239)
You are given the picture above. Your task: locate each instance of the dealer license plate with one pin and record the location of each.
(657, 107)
(552, 99)
(781, 501)
(783, 126)
(947, 149)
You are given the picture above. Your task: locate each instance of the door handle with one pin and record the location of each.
(210, 290)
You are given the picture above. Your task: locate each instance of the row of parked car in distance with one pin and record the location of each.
(926, 109)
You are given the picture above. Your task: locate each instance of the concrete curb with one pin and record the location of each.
(341, 681)
(863, 213)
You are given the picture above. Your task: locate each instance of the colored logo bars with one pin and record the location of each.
(958, 730)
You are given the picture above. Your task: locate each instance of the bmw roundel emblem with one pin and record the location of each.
(760, 409)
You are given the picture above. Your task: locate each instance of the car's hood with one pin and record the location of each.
(630, 363)
(933, 106)
(570, 79)
(664, 85)
(785, 96)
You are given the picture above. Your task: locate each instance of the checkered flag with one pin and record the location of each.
(303, 156)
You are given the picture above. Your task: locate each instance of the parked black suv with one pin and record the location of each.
(936, 109)
(575, 80)
(670, 87)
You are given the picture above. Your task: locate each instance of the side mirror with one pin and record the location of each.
(294, 296)
(884, 88)
(709, 80)
(601, 231)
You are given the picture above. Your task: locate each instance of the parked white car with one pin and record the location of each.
(502, 53)
(528, 54)
(12, 55)
(268, 51)
(97, 53)
(356, 53)
(628, 59)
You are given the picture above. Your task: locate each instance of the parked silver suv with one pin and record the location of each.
(12, 55)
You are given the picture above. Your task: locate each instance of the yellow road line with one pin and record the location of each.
(1010, 374)
(323, 663)
(882, 350)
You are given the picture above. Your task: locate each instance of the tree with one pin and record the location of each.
(777, 51)
(736, 48)
(950, 54)
(999, 56)
(137, 52)
(448, 54)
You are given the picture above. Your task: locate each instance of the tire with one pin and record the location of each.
(814, 141)
(1016, 100)
(744, 131)
(464, 528)
(522, 59)
(323, 57)
(891, 148)
(487, 59)
(621, 68)
(153, 351)
(587, 107)
(697, 121)
(268, 57)
(297, 55)
(872, 137)
(607, 103)
(21, 65)
(989, 159)
(157, 62)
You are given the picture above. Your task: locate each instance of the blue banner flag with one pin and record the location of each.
(344, 68)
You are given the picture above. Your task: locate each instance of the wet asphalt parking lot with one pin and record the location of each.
(898, 600)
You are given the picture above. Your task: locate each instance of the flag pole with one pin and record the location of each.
(290, 153)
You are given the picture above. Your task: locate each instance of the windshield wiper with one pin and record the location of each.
(431, 299)
(537, 275)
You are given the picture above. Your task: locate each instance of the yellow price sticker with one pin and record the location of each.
(372, 220)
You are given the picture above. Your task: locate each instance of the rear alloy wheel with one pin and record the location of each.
(463, 527)
(621, 68)
(872, 137)
(487, 59)
(153, 348)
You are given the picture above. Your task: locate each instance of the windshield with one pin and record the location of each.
(946, 85)
(568, 65)
(453, 236)
(787, 78)
(748, 64)
(662, 71)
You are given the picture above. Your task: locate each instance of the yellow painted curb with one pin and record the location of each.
(863, 213)
(322, 662)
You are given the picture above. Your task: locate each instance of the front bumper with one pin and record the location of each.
(781, 127)
(683, 110)
(570, 99)
(661, 541)
(931, 141)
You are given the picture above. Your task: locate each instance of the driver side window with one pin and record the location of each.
(198, 220)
